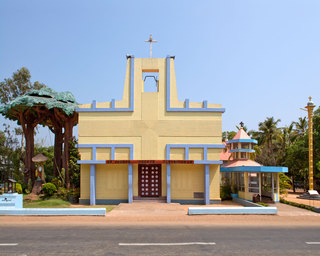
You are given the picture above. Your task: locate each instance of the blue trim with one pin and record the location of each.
(186, 147)
(186, 103)
(254, 169)
(206, 185)
(113, 107)
(92, 184)
(91, 161)
(113, 153)
(130, 187)
(94, 151)
(168, 183)
(205, 104)
(208, 162)
(186, 108)
(196, 145)
(104, 145)
(242, 150)
(243, 141)
(186, 154)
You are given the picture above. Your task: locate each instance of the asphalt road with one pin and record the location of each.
(108, 240)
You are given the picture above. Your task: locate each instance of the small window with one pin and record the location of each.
(253, 182)
(241, 181)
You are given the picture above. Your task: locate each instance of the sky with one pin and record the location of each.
(256, 58)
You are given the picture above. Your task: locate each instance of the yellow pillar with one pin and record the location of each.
(310, 107)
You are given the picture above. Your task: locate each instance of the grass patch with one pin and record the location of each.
(50, 203)
(263, 204)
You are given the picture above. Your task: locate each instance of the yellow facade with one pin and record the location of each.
(149, 127)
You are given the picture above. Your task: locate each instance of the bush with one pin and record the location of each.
(18, 188)
(57, 182)
(49, 189)
(74, 195)
(62, 193)
(225, 192)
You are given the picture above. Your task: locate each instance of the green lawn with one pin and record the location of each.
(50, 203)
(59, 203)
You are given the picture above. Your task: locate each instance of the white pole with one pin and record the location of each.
(272, 186)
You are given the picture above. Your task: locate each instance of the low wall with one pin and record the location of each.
(231, 210)
(53, 211)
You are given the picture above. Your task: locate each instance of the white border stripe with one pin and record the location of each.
(165, 244)
(312, 242)
(12, 244)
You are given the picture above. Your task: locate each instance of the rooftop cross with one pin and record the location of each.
(151, 41)
(241, 124)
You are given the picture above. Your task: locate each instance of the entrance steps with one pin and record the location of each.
(138, 199)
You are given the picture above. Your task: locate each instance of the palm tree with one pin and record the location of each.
(301, 126)
(269, 130)
(287, 136)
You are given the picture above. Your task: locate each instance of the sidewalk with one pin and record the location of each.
(162, 214)
(293, 198)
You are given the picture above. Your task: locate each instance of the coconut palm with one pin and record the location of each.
(269, 130)
(301, 126)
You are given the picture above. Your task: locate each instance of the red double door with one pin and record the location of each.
(149, 176)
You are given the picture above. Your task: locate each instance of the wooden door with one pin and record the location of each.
(149, 177)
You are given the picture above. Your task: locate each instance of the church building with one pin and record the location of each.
(150, 145)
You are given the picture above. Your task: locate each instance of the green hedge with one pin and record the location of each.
(303, 206)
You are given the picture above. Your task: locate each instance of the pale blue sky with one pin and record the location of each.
(256, 58)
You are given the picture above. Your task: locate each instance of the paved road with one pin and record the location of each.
(85, 240)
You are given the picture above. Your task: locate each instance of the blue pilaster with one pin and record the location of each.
(92, 184)
(130, 192)
(206, 185)
(168, 183)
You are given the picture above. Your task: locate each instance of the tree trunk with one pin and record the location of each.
(293, 184)
(67, 137)
(29, 165)
(58, 141)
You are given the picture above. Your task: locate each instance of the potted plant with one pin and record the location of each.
(234, 191)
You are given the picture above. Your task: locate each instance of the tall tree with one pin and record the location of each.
(17, 85)
(301, 126)
(269, 130)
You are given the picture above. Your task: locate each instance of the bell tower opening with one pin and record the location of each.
(150, 81)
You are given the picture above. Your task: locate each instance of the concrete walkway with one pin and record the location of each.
(292, 197)
(288, 210)
(145, 208)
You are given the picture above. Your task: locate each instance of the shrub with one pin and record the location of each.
(62, 193)
(225, 192)
(18, 188)
(49, 189)
(57, 182)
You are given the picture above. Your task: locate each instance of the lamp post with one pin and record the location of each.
(310, 106)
